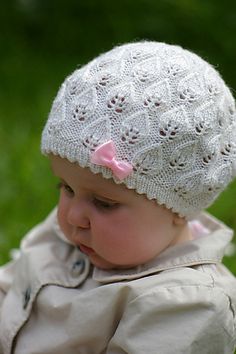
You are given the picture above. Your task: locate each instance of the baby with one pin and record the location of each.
(142, 140)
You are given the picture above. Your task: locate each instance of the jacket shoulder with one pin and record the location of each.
(187, 310)
(42, 232)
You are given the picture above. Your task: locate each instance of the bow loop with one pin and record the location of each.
(105, 155)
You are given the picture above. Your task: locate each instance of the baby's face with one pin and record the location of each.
(114, 226)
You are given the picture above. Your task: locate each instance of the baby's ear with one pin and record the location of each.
(179, 220)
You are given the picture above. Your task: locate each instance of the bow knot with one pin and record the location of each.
(105, 155)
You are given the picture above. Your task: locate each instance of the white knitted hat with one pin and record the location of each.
(165, 112)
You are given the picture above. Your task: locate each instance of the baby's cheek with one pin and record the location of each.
(60, 214)
(62, 220)
(109, 236)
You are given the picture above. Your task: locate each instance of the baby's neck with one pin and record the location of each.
(183, 235)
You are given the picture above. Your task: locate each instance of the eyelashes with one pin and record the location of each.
(102, 204)
(65, 187)
(98, 202)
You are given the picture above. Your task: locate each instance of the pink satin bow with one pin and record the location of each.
(105, 155)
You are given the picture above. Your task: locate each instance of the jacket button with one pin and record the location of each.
(26, 297)
(78, 267)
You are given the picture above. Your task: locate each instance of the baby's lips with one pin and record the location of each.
(87, 250)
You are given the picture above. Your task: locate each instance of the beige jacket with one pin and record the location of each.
(54, 302)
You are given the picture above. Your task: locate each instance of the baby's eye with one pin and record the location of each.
(103, 204)
(65, 187)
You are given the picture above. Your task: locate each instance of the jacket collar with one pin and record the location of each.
(208, 249)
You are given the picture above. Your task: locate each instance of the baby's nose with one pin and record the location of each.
(78, 215)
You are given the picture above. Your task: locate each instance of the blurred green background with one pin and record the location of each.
(42, 41)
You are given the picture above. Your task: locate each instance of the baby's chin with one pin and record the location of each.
(100, 263)
(103, 264)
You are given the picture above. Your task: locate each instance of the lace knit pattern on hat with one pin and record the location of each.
(169, 114)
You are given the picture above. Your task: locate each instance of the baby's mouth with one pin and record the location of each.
(86, 250)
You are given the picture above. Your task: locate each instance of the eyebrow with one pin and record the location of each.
(102, 192)
(105, 199)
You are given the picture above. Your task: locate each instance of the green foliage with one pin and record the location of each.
(42, 41)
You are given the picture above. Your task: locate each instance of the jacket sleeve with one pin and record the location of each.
(33, 237)
(189, 320)
(6, 276)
